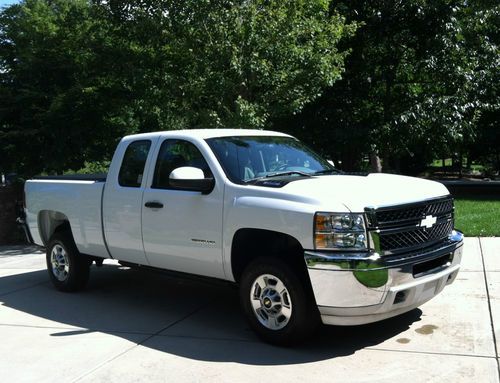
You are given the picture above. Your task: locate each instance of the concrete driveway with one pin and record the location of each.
(132, 325)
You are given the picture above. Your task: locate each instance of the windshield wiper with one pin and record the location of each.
(279, 174)
(288, 173)
(328, 171)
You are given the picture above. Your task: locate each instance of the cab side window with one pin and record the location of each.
(175, 154)
(134, 161)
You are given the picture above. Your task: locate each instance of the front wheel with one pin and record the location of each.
(276, 302)
(68, 269)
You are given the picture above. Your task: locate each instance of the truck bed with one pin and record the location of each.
(75, 198)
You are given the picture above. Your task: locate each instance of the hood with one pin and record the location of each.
(358, 192)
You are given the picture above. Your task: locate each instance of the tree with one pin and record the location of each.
(232, 63)
(482, 37)
(77, 75)
(61, 99)
(417, 81)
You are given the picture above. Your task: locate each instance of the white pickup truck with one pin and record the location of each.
(305, 242)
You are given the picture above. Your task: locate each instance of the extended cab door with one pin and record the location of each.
(182, 229)
(122, 200)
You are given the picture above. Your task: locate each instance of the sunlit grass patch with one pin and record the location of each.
(478, 217)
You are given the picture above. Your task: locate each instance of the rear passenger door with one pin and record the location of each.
(122, 202)
(182, 230)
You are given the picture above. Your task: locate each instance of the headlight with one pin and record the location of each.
(344, 231)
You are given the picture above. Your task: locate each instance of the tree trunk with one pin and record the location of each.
(460, 161)
(375, 163)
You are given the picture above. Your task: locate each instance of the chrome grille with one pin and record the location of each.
(399, 228)
(395, 215)
(415, 237)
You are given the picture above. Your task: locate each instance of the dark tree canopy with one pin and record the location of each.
(420, 80)
(407, 81)
(78, 75)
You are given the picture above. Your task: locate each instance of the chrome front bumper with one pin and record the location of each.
(353, 289)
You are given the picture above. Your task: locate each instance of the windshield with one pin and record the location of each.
(245, 159)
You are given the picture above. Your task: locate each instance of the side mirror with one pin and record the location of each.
(191, 179)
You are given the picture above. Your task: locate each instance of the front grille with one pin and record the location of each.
(401, 228)
(415, 237)
(395, 215)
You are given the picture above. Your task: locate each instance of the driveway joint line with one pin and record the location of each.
(140, 342)
(23, 288)
(489, 307)
(40, 327)
(86, 329)
(431, 353)
(21, 268)
(210, 338)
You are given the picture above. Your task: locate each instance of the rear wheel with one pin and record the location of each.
(68, 269)
(276, 302)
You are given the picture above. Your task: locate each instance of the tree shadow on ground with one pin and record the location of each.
(194, 319)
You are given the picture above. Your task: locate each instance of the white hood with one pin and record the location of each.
(358, 192)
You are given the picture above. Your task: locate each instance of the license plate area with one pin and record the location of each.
(421, 269)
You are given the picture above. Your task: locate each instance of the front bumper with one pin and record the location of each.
(353, 289)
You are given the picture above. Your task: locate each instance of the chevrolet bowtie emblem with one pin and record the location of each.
(428, 221)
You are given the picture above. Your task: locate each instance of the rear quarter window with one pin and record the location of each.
(133, 164)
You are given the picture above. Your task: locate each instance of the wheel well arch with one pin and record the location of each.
(249, 244)
(50, 222)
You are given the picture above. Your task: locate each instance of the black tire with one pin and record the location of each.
(68, 269)
(300, 317)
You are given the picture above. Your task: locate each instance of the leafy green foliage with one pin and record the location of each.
(420, 77)
(234, 63)
(77, 75)
(96, 167)
(408, 81)
(61, 100)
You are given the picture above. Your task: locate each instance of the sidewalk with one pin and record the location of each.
(131, 325)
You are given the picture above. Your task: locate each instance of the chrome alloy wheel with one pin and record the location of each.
(271, 302)
(60, 263)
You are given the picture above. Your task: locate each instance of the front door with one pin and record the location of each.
(182, 230)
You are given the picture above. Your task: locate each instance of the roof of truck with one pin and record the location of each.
(208, 133)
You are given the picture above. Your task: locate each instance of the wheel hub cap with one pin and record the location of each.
(59, 262)
(271, 302)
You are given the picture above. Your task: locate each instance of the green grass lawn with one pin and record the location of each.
(478, 217)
